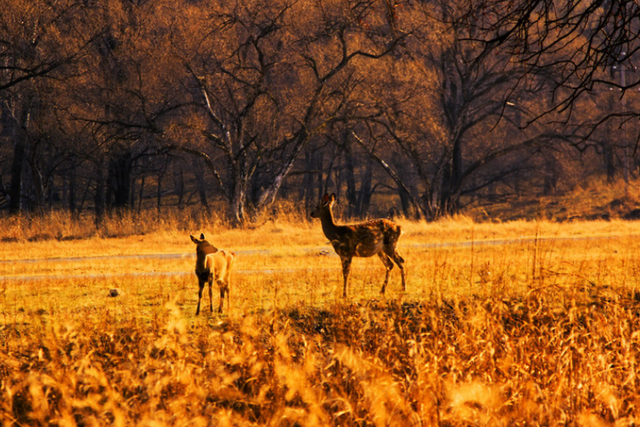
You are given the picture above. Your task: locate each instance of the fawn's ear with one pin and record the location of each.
(332, 198)
(201, 236)
(193, 239)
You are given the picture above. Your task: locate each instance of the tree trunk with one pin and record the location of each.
(141, 194)
(159, 193)
(350, 180)
(71, 197)
(364, 199)
(306, 191)
(608, 145)
(16, 129)
(313, 179)
(17, 165)
(451, 182)
(99, 196)
(132, 193)
(268, 195)
(237, 207)
(38, 186)
(608, 154)
(200, 183)
(120, 169)
(178, 186)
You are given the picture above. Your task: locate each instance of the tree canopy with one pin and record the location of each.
(424, 106)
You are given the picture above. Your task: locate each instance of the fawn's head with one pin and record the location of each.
(324, 206)
(203, 247)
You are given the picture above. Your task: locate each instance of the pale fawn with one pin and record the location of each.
(212, 264)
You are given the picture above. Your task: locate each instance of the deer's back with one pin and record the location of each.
(219, 263)
(365, 239)
(378, 226)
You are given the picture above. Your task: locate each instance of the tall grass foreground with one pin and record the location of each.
(501, 324)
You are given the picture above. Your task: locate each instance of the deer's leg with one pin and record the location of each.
(389, 265)
(400, 262)
(346, 268)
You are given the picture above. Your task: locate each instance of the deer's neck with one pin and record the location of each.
(201, 254)
(329, 227)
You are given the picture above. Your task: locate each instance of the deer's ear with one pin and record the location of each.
(332, 198)
(325, 199)
(201, 236)
(193, 239)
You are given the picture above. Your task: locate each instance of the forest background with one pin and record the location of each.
(420, 108)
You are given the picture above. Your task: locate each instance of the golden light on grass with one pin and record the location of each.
(519, 323)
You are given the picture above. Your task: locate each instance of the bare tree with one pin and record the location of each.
(268, 77)
(124, 96)
(444, 116)
(40, 42)
(585, 48)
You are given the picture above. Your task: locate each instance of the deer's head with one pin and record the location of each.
(324, 206)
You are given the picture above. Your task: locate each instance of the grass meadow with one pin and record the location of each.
(503, 324)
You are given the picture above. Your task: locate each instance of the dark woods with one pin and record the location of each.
(414, 107)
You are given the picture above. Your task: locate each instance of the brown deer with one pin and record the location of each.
(375, 237)
(212, 264)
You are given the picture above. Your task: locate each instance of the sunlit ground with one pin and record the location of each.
(521, 322)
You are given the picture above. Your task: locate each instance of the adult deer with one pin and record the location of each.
(212, 264)
(375, 237)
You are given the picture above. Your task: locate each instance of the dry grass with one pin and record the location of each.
(593, 200)
(521, 323)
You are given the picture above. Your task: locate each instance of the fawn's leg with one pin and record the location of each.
(346, 268)
(227, 281)
(200, 289)
(389, 265)
(211, 293)
(222, 289)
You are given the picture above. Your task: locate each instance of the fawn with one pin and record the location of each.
(212, 264)
(375, 237)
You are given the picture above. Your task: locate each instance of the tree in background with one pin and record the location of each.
(126, 94)
(267, 77)
(430, 106)
(452, 116)
(40, 42)
(588, 50)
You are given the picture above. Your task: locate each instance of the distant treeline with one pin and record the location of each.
(120, 105)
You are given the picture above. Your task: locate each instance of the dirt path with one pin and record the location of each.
(325, 250)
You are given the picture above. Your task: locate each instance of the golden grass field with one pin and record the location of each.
(502, 324)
